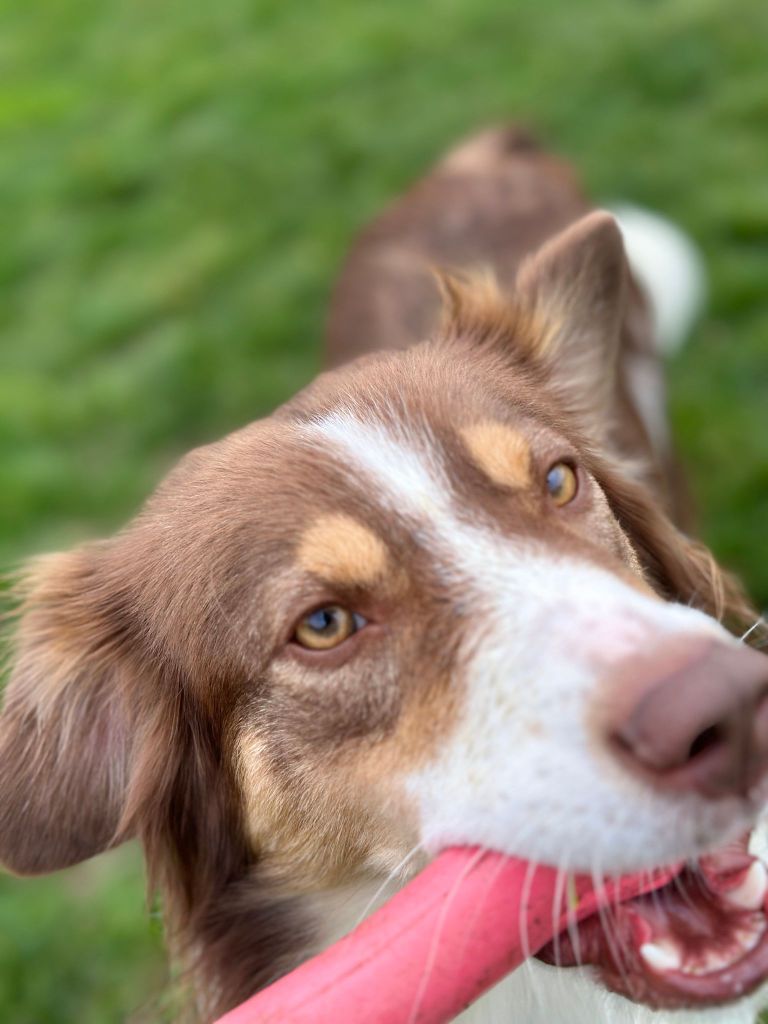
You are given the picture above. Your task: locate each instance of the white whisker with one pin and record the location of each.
(432, 955)
(607, 925)
(573, 931)
(755, 625)
(557, 903)
(390, 878)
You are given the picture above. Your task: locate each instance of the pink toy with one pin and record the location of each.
(467, 920)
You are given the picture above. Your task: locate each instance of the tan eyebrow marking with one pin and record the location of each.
(342, 550)
(500, 451)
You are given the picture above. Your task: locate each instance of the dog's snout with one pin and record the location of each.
(704, 727)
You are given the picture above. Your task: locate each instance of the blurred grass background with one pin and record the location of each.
(178, 183)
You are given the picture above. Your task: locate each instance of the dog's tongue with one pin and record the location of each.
(467, 920)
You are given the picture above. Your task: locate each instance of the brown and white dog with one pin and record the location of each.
(439, 597)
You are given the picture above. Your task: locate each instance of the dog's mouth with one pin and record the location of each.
(701, 939)
(686, 936)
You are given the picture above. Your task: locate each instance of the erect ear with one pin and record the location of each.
(575, 292)
(564, 318)
(66, 730)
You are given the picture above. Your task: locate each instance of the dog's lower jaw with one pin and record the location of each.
(539, 994)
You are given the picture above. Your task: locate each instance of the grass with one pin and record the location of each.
(178, 183)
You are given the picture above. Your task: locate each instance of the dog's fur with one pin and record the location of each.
(155, 692)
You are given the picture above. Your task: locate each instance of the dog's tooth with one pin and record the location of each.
(661, 956)
(748, 938)
(716, 961)
(758, 841)
(749, 894)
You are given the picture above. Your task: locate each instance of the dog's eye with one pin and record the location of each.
(562, 483)
(327, 627)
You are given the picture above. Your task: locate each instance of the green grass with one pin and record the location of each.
(178, 183)
(78, 947)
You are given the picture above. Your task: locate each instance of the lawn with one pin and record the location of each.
(178, 183)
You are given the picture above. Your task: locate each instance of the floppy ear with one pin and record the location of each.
(564, 318)
(680, 568)
(65, 731)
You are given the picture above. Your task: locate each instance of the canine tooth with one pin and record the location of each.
(661, 956)
(749, 894)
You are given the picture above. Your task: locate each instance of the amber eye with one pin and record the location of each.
(327, 627)
(562, 483)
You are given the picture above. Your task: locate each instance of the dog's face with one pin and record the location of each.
(403, 612)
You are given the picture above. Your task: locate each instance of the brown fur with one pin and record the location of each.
(154, 690)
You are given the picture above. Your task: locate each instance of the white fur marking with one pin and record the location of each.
(543, 628)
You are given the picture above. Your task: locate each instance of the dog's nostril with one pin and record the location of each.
(707, 740)
(704, 727)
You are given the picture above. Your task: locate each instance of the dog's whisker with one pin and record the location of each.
(530, 873)
(432, 955)
(760, 621)
(390, 878)
(490, 883)
(573, 929)
(606, 923)
(682, 888)
(557, 904)
(561, 898)
(522, 927)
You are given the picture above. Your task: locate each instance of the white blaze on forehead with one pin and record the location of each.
(521, 771)
(404, 472)
(407, 472)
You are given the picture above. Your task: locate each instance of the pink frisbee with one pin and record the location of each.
(460, 926)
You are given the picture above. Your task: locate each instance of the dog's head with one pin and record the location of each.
(423, 603)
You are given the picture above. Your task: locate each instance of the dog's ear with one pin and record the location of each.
(66, 730)
(574, 289)
(564, 319)
(679, 568)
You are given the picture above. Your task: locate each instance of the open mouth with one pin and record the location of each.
(701, 939)
(679, 937)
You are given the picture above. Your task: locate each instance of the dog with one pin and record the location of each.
(439, 597)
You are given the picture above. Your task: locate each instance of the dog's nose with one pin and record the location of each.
(704, 728)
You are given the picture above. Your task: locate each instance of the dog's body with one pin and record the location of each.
(487, 206)
(431, 600)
